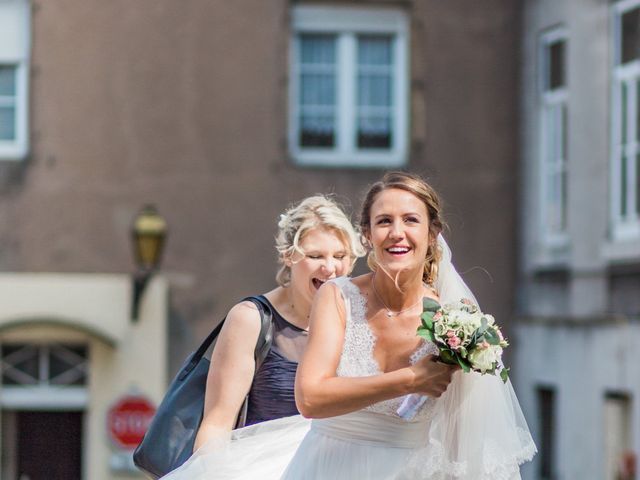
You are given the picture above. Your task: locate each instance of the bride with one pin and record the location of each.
(363, 357)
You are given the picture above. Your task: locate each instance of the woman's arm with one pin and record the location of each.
(231, 372)
(320, 393)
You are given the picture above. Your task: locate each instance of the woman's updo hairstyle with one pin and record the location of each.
(312, 212)
(414, 184)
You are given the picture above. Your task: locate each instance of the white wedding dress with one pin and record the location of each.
(475, 431)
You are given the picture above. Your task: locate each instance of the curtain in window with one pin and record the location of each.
(7, 102)
(317, 90)
(628, 150)
(375, 82)
(555, 122)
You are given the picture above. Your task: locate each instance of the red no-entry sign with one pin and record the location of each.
(128, 419)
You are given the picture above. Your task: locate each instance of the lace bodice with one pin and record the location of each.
(357, 358)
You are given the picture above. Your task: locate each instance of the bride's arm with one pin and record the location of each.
(321, 393)
(231, 372)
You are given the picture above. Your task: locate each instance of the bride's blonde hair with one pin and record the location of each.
(318, 211)
(414, 184)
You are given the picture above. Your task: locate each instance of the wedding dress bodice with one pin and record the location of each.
(357, 358)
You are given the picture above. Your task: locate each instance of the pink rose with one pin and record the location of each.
(454, 342)
(451, 333)
(438, 315)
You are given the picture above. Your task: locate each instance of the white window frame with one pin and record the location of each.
(15, 38)
(624, 227)
(552, 103)
(347, 23)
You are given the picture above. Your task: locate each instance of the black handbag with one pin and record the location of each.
(169, 440)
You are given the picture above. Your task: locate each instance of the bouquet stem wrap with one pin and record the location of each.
(410, 405)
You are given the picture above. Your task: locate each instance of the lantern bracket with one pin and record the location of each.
(140, 280)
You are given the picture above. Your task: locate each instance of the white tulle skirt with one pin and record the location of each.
(359, 445)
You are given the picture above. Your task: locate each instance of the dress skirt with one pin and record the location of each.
(359, 445)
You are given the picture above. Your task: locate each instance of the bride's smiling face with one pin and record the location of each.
(399, 230)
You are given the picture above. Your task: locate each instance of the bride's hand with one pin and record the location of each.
(432, 377)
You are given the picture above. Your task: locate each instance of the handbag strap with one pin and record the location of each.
(266, 329)
(262, 345)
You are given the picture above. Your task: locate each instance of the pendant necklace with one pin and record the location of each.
(298, 314)
(390, 313)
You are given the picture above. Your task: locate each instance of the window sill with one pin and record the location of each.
(622, 250)
(363, 160)
(44, 397)
(552, 255)
(12, 152)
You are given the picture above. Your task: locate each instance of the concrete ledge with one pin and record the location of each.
(96, 303)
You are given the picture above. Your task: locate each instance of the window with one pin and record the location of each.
(44, 364)
(348, 88)
(14, 59)
(553, 122)
(36, 373)
(625, 157)
(546, 440)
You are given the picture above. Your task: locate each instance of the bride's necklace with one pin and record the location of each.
(391, 313)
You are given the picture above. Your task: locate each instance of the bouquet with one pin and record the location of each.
(464, 336)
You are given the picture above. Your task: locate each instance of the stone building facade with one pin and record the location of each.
(209, 111)
(579, 278)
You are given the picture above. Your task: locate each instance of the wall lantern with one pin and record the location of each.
(148, 233)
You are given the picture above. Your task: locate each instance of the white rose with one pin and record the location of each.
(483, 358)
(477, 319)
(468, 329)
(465, 318)
(452, 315)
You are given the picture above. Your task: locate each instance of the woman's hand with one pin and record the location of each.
(432, 377)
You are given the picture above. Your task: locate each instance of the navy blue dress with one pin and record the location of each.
(272, 395)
